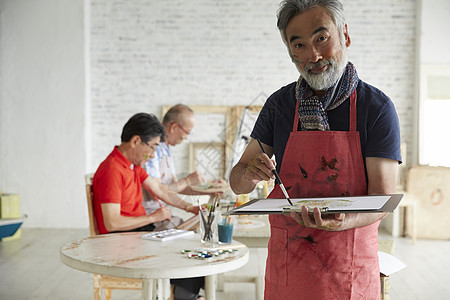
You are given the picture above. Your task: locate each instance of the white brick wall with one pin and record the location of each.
(145, 54)
(383, 49)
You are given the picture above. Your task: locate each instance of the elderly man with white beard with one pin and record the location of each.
(332, 135)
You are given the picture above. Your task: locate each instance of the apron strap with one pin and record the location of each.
(353, 117)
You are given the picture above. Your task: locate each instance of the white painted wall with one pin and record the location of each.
(435, 40)
(145, 54)
(42, 109)
(434, 61)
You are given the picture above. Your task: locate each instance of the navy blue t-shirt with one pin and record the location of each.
(377, 123)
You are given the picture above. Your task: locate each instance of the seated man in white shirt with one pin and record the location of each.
(178, 123)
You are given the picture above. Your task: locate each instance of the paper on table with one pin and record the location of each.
(211, 187)
(389, 264)
(333, 203)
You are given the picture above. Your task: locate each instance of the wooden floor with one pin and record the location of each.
(30, 269)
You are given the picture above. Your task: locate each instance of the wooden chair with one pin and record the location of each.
(107, 283)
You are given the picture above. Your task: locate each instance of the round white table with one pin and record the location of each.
(128, 255)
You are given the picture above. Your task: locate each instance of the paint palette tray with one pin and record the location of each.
(167, 235)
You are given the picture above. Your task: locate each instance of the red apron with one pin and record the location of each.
(305, 263)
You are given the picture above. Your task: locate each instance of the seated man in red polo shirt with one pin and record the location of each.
(117, 183)
(118, 194)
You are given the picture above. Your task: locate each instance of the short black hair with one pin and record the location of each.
(146, 126)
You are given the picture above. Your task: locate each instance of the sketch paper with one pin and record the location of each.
(335, 204)
(389, 264)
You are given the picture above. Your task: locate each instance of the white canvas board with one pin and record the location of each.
(332, 203)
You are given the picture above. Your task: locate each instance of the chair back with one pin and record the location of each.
(90, 196)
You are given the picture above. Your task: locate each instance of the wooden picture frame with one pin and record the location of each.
(208, 158)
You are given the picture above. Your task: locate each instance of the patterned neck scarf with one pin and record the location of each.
(312, 110)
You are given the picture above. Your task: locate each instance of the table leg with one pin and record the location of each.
(163, 289)
(259, 286)
(147, 289)
(160, 289)
(210, 287)
(166, 288)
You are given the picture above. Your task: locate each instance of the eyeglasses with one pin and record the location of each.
(182, 128)
(152, 147)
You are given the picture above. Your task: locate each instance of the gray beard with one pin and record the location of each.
(321, 82)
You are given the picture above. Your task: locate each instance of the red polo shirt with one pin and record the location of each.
(117, 180)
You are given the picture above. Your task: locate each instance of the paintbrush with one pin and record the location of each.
(277, 178)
